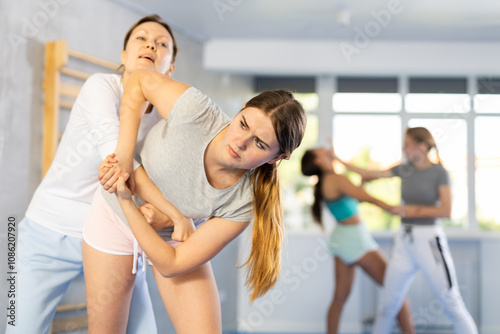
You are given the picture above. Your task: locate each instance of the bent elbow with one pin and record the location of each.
(369, 176)
(447, 213)
(168, 273)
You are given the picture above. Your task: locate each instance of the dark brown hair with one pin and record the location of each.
(310, 168)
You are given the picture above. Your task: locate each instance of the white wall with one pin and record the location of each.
(94, 27)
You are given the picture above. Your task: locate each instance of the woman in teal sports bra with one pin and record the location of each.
(350, 242)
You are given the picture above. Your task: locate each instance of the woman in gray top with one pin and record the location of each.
(420, 244)
(199, 164)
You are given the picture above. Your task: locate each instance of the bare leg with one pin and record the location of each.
(374, 264)
(192, 301)
(344, 276)
(109, 284)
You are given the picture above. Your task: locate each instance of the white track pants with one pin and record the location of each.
(422, 248)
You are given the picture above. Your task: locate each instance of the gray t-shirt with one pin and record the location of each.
(173, 157)
(420, 187)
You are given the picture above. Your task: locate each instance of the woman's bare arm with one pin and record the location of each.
(206, 242)
(367, 175)
(346, 187)
(142, 86)
(428, 211)
(148, 191)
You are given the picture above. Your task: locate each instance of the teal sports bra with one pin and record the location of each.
(343, 208)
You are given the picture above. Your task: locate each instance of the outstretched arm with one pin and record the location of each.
(345, 186)
(367, 175)
(142, 86)
(428, 211)
(203, 245)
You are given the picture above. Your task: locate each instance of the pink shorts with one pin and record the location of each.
(105, 231)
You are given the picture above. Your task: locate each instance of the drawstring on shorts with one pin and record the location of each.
(137, 250)
(408, 229)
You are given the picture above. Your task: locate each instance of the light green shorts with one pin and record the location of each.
(351, 242)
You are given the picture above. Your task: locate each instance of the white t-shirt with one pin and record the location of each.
(62, 200)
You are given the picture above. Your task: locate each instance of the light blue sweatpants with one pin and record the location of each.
(47, 262)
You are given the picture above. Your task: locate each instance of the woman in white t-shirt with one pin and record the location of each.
(50, 235)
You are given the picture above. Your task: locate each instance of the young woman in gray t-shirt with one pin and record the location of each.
(194, 153)
(420, 243)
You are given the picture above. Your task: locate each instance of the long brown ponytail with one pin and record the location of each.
(268, 229)
(264, 262)
(309, 168)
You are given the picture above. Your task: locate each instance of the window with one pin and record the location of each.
(297, 192)
(437, 103)
(367, 118)
(488, 98)
(367, 132)
(487, 103)
(487, 170)
(487, 152)
(367, 102)
(366, 95)
(437, 95)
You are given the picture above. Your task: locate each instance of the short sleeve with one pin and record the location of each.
(395, 170)
(443, 178)
(196, 108)
(99, 103)
(243, 214)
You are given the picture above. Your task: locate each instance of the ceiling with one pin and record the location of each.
(391, 20)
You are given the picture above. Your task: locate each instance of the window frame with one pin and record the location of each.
(326, 88)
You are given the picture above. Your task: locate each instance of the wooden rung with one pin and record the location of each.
(69, 90)
(75, 73)
(65, 325)
(56, 56)
(66, 104)
(91, 59)
(71, 307)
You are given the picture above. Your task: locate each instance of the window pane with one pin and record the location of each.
(451, 139)
(366, 102)
(309, 101)
(297, 191)
(359, 139)
(440, 103)
(487, 167)
(487, 103)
